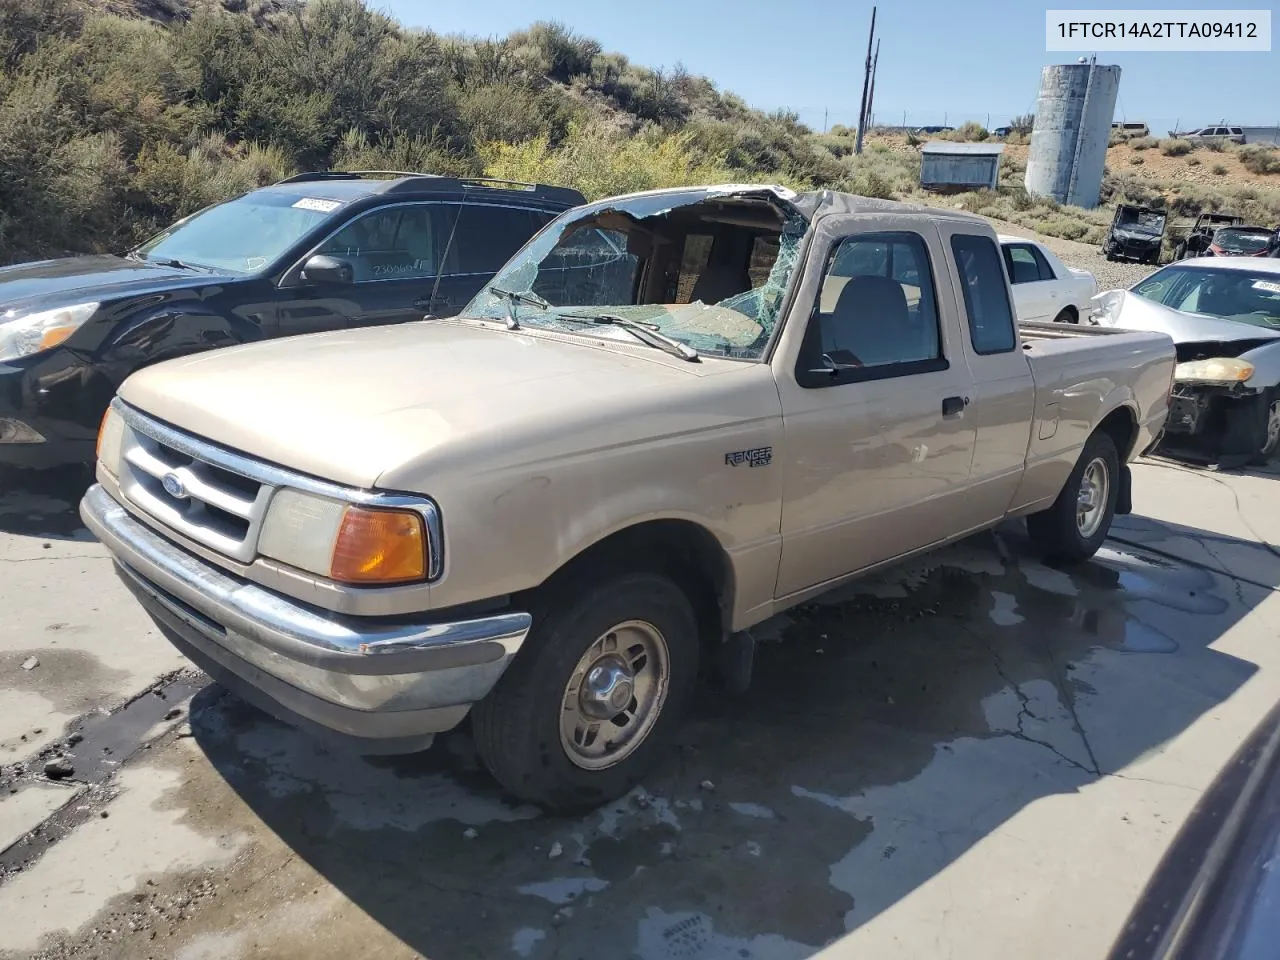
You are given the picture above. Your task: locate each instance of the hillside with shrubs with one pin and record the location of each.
(119, 116)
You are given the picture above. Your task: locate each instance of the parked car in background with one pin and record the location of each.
(1224, 316)
(546, 512)
(1201, 234)
(1045, 288)
(1136, 234)
(319, 251)
(1130, 130)
(1240, 242)
(1215, 134)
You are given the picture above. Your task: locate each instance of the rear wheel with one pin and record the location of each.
(595, 695)
(1073, 528)
(1067, 315)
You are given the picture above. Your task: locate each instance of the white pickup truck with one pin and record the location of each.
(671, 416)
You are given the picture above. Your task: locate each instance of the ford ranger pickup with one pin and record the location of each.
(669, 417)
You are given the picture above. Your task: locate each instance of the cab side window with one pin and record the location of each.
(876, 314)
(986, 297)
(396, 243)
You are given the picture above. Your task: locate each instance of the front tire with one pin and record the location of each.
(1270, 427)
(1073, 528)
(596, 694)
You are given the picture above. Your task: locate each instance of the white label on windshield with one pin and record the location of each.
(323, 206)
(1266, 285)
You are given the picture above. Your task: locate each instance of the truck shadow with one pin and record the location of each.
(890, 728)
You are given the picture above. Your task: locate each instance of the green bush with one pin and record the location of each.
(1173, 147)
(1136, 161)
(1260, 159)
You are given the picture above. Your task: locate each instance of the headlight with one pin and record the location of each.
(41, 331)
(110, 440)
(1216, 370)
(343, 541)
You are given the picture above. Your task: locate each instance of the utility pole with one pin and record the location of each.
(866, 82)
(824, 119)
(871, 94)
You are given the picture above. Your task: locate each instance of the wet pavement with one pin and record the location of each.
(972, 754)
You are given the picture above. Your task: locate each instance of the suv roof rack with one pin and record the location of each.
(410, 181)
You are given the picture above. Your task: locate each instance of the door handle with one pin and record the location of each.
(954, 406)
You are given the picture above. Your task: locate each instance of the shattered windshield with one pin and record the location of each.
(1240, 295)
(1142, 222)
(1244, 241)
(706, 270)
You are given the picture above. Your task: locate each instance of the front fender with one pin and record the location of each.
(1266, 365)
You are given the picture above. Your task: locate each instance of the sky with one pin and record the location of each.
(941, 61)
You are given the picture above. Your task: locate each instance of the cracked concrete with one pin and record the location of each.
(971, 755)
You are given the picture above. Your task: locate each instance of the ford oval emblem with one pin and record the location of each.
(174, 486)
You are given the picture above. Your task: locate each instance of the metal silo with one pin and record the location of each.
(1072, 128)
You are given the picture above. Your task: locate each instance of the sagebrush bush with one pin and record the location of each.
(1144, 143)
(1174, 147)
(1260, 159)
(1219, 170)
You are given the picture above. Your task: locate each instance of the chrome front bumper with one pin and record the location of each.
(383, 686)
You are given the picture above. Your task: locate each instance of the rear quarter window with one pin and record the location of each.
(986, 296)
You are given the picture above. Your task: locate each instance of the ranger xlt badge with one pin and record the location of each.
(759, 457)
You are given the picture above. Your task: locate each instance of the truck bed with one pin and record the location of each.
(1080, 371)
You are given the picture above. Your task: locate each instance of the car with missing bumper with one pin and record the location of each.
(318, 251)
(670, 416)
(1224, 316)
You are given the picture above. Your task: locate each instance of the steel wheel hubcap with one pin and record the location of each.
(614, 695)
(1091, 501)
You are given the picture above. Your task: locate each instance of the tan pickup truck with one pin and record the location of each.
(669, 417)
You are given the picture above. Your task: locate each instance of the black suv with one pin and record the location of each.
(318, 251)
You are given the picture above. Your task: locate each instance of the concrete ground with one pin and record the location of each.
(974, 755)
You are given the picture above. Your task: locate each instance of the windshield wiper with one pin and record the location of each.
(641, 332)
(167, 262)
(513, 298)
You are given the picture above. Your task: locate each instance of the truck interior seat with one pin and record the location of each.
(719, 282)
(871, 320)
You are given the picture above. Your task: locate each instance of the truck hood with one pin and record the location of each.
(48, 284)
(352, 406)
(1128, 311)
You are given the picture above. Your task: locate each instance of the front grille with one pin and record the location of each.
(198, 498)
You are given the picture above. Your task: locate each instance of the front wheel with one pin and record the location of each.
(596, 694)
(1270, 433)
(1073, 528)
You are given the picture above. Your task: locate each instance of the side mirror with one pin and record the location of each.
(323, 269)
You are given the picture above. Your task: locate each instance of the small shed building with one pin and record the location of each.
(960, 166)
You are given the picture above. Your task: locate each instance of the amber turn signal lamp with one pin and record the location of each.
(102, 429)
(379, 546)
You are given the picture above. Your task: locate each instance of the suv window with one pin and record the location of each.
(395, 243)
(986, 298)
(488, 236)
(877, 310)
